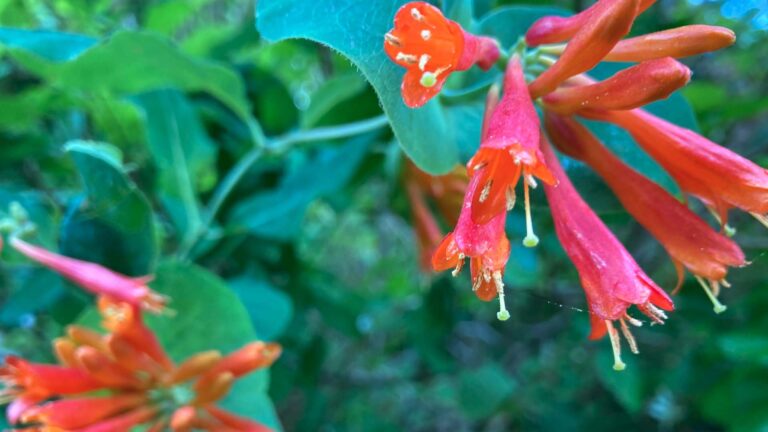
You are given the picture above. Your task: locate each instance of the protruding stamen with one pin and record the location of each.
(486, 191)
(628, 336)
(511, 198)
(479, 166)
(729, 230)
(477, 282)
(763, 219)
(531, 181)
(725, 283)
(416, 14)
(392, 40)
(423, 62)
(487, 276)
(657, 315)
(635, 322)
(503, 313)
(530, 240)
(459, 265)
(716, 305)
(428, 79)
(618, 365)
(408, 58)
(426, 34)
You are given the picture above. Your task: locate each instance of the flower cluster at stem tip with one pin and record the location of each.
(548, 68)
(121, 378)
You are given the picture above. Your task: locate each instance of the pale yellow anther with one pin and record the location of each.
(423, 61)
(486, 191)
(426, 34)
(416, 14)
(618, 365)
(392, 39)
(503, 313)
(530, 240)
(511, 198)
(633, 321)
(459, 265)
(716, 305)
(408, 58)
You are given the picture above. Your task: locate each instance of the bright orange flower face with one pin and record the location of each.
(428, 46)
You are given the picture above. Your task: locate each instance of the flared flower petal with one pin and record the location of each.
(431, 47)
(628, 89)
(123, 422)
(95, 278)
(714, 174)
(509, 150)
(679, 42)
(606, 25)
(610, 277)
(688, 239)
(23, 377)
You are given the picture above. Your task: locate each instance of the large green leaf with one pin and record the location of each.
(356, 29)
(114, 224)
(208, 316)
(182, 152)
(153, 62)
(270, 308)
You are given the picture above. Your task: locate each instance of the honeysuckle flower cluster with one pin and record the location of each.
(548, 69)
(123, 378)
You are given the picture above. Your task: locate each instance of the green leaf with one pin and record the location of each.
(627, 385)
(270, 308)
(183, 154)
(114, 226)
(329, 95)
(277, 214)
(483, 390)
(30, 289)
(460, 11)
(199, 299)
(155, 62)
(356, 29)
(508, 24)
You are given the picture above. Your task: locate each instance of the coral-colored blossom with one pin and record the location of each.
(609, 22)
(447, 193)
(679, 42)
(688, 239)
(554, 29)
(714, 174)
(95, 278)
(611, 278)
(133, 389)
(627, 89)
(431, 47)
(509, 149)
(486, 246)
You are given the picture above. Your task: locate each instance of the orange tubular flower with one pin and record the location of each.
(509, 148)
(611, 278)
(486, 246)
(430, 47)
(628, 89)
(606, 25)
(555, 29)
(679, 42)
(447, 192)
(714, 174)
(95, 278)
(688, 239)
(134, 389)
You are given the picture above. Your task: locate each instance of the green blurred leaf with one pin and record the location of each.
(53, 46)
(627, 385)
(483, 390)
(356, 29)
(270, 308)
(330, 94)
(183, 154)
(114, 226)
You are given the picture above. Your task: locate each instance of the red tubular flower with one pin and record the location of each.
(430, 47)
(123, 422)
(486, 246)
(77, 413)
(714, 174)
(256, 355)
(509, 148)
(609, 22)
(628, 89)
(95, 278)
(611, 278)
(21, 376)
(688, 239)
(679, 42)
(555, 29)
(446, 191)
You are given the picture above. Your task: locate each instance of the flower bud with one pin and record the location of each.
(678, 42)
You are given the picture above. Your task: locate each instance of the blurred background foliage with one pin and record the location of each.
(316, 239)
